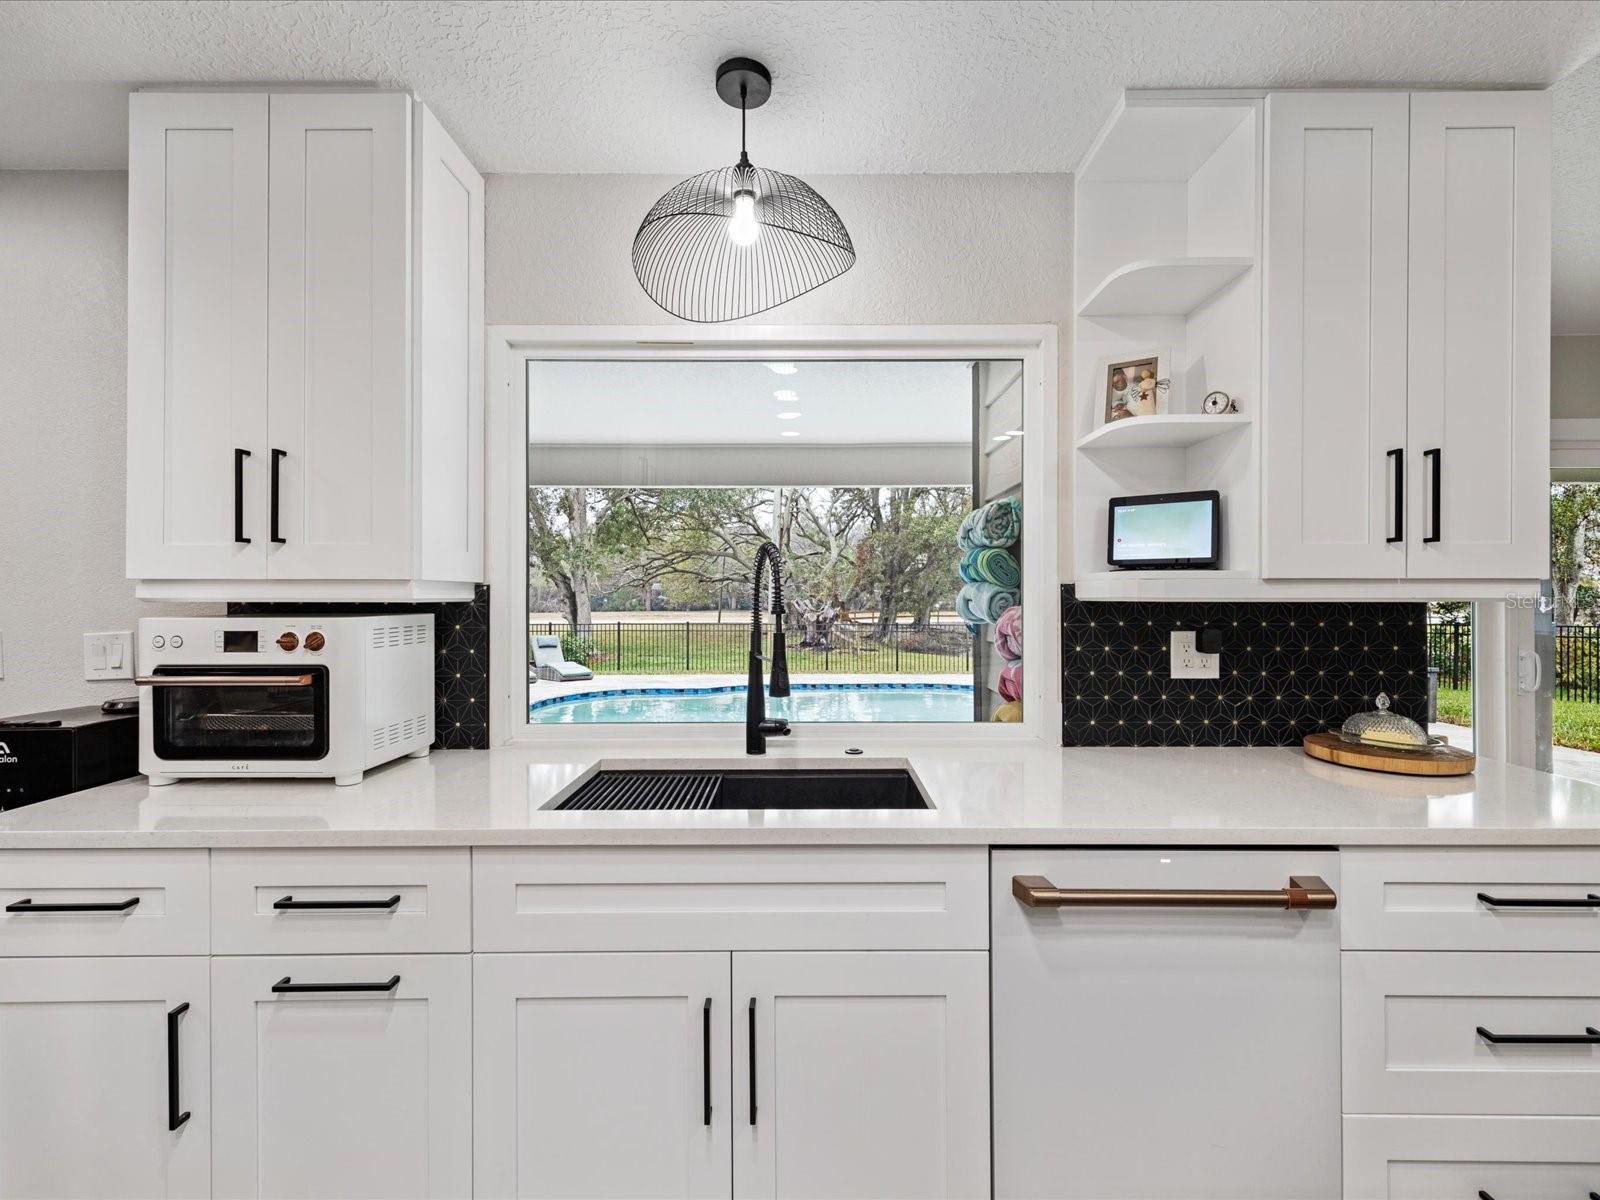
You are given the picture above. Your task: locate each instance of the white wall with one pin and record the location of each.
(1575, 377)
(63, 392)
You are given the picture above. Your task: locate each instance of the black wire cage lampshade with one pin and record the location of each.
(742, 239)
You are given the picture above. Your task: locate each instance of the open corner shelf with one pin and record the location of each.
(1163, 431)
(1162, 287)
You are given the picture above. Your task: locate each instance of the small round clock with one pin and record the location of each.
(1216, 403)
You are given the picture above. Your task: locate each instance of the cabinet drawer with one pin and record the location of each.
(1471, 899)
(341, 901)
(167, 913)
(1456, 1158)
(800, 898)
(1412, 1040)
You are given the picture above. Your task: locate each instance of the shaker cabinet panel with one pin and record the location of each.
(1335, 320)
(343, 1076)
(197, 327)
(99, 1059)
(1479, 327)
(339, 426)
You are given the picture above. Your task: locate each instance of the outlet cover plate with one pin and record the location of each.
(1188, 662)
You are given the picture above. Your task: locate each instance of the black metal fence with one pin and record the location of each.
(705, 647)
(1577, 650)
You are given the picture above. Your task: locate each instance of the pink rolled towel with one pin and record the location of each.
(1008, 633)
(1010, 683)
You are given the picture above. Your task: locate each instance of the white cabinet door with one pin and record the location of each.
(861, 1074)
(339, 426)
(1479, 389)
(1335, 335)
(197, 336)
(601, 1075)
(343, 1093)
(90, 1051)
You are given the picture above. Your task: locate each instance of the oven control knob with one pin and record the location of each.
(315, 640)
(287, 641)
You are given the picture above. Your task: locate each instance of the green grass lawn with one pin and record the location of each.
(1574, 724)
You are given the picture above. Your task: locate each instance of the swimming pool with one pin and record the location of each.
(809, 702)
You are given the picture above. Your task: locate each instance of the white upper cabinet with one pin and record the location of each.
(1478, 396)
(1407, 317)
(197, 351)
(1336, 330)
(305, 362)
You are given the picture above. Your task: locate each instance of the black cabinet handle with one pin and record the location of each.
(1399, 457)
(705, 1058)
(1589, 1037)
(238, 496)
(752, 1060)
(1437, 456)
(289, 902)
(1593, 901)
(388, 985)
(26, 905)
(277, 459)
(175, 1117)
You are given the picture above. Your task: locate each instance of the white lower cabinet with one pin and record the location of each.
(1462, 1158)
(861, 1074)
(342, 1076)
(601, 1075)
(104, 1078)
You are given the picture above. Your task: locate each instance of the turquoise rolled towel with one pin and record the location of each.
(982, 603)
(990, 564)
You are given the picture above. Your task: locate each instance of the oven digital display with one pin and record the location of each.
(242, 641)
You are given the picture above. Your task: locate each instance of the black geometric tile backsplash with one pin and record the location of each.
(460, 661)
(1287, 670)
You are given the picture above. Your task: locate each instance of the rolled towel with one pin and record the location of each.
(1010, 683)
(1011, 712)
(990, 564)
(996, 524)
(983, 602)
(1008, 633)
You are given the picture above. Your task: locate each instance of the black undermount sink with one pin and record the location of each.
(627, 791)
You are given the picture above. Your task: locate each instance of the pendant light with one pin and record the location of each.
(742, 239)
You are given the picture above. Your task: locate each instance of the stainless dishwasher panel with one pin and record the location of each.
(1165, 1053)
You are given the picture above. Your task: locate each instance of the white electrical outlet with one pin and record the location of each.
(108, 655)
(1188, 662)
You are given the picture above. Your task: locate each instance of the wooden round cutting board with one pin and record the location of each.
(1440, 760)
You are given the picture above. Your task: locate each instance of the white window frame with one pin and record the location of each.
(511, 346)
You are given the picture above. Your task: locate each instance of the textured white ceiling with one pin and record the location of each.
(888, 87)
(897, 86)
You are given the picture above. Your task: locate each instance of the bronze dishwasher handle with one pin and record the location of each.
(224, 680)
(1303, 892)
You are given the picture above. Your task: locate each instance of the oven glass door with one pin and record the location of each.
(241, 712)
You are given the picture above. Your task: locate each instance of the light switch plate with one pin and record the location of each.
(1188, 662)
(108, 655)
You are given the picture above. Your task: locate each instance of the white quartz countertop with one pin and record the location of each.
(1019, 793)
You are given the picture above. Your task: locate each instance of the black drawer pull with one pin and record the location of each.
(752, 1060)
(1592, 901)
(175, 1116)
(289, 902)
(1589, 1037)
(26, 905)
(388, 985)
(705, 1058)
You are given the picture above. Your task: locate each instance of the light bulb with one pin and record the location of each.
(743, 228)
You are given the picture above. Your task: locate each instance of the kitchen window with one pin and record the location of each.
(894, 488)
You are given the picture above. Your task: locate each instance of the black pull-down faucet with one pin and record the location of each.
(757, 728)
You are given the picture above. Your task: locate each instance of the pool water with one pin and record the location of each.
(809, 702)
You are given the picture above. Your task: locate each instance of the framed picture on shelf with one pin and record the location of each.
(1133, 386)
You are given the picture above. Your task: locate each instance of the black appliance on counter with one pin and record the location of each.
(52, 753)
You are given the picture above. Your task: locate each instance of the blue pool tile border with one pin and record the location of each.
(736, 688)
